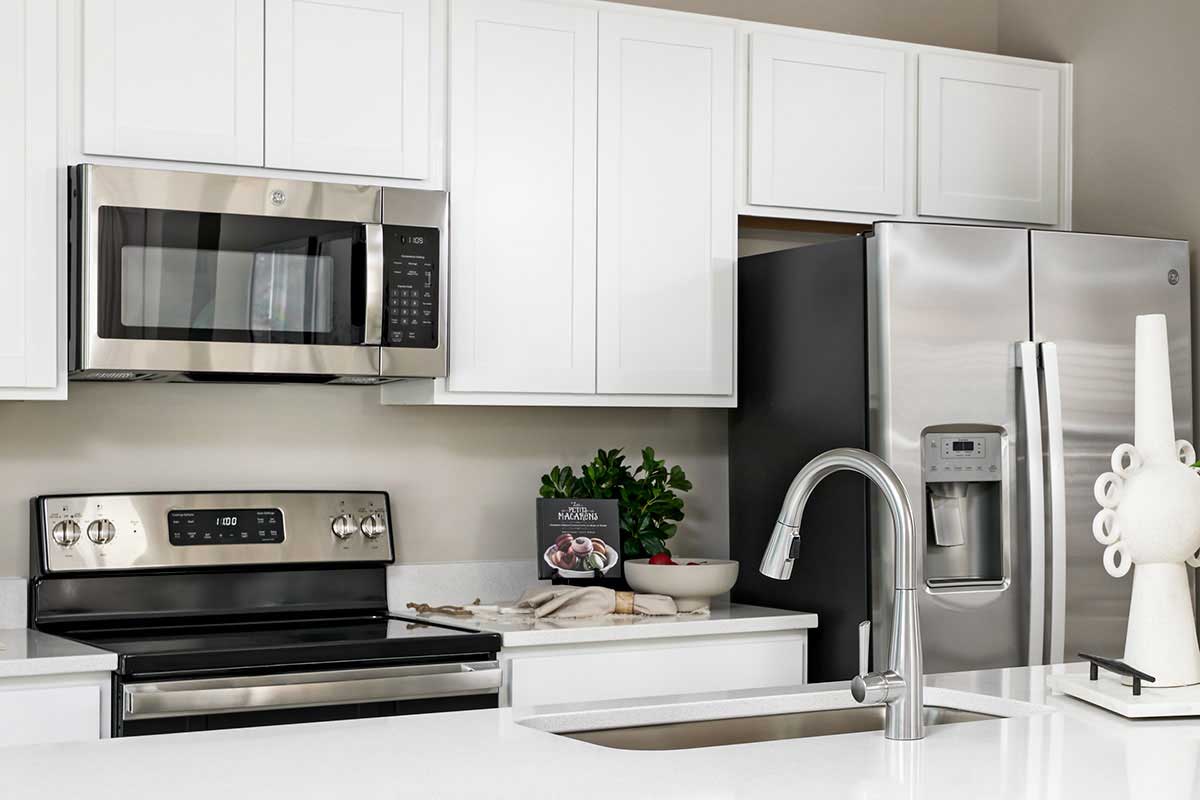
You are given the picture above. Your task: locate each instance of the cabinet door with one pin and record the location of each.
(989, 139)
(44, 716)
(28, 197)
(179, 80)
(347, 86)
(670, 666)
(826, 125)
(523, 179)
(665, 272)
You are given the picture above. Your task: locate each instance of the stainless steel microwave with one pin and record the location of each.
(187, 276)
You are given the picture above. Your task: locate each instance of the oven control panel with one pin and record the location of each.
(210, 529)
(410, 256)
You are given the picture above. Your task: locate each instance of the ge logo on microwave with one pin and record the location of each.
(278, 198)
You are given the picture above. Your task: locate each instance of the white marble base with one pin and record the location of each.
(13, 602)
(1108, 692)
(458, 582)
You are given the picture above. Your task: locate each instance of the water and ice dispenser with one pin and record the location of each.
(965, 508)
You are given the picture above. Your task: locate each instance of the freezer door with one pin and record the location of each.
(948, 305)
(1087, 290)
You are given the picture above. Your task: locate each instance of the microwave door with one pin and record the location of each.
(292, 286)
(184, 274)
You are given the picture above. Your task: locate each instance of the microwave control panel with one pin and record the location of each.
(410, 256)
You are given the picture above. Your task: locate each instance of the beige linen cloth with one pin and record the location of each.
(580, 602)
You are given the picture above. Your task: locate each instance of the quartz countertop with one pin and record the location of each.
(26, 653)
(1057, 747)
(525, 631)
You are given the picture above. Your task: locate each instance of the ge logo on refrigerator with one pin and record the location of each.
(1173, 277)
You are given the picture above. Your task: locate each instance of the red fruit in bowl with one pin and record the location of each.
(662, 558)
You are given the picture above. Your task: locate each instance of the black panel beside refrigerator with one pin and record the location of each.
(802, 390)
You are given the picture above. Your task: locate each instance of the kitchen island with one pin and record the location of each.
(1056, 747)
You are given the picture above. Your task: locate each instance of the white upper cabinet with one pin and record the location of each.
(179, 80)
(29, 179)
(667, 222)
(523, 183)
(826, 124)
(989, 139)
(347, 86)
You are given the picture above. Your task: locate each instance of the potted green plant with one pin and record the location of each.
(650, 509)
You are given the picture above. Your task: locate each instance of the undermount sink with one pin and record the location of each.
(743, 730)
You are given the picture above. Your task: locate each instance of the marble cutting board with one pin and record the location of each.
(1109, 693)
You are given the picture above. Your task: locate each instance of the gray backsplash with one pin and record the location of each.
(462, 480)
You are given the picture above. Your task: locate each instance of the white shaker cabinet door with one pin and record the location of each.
(826, 125)
(523, 183)
(180, 80)
(989, 139)
(667, 218)
(28, 199)
(347, 86)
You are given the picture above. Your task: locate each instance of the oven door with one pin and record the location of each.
(172, 706)
(214, 274)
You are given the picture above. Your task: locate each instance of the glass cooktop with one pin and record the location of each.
(306, 644)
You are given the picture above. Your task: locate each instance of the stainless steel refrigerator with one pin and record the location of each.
(993, 369)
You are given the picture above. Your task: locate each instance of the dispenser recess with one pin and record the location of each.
(965, 508)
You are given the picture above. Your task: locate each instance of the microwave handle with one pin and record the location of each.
(373, 321)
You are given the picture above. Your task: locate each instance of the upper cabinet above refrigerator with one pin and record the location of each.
(827, 124)
(843, 128)
(340, 87)
(989, 139)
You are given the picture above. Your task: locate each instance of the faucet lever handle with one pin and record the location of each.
(864, 646)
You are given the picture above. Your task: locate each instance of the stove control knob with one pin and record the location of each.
(65, 533)
(102, 531)
(372, 526)
(344, 526)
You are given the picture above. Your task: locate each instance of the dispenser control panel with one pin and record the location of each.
(961, 457)
(962, 448)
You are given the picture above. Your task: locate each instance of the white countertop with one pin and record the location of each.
(1065, 749)
(525, 631)
(25, 653)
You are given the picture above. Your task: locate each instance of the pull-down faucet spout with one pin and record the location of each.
(900, 685)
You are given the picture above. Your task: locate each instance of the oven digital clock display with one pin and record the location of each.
(200, 526)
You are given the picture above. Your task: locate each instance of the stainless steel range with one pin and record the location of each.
(234, 609)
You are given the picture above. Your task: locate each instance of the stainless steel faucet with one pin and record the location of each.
(900, 685)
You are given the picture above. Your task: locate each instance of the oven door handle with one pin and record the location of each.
(373, 321)
(184, 698)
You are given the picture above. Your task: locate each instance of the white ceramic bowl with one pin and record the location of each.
(610, 561)
(691, 586)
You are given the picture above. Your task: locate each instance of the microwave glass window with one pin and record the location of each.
(194, 276)
(172, 287)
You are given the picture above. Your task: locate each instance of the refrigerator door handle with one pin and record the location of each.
(1027, 364)
(1057, 483)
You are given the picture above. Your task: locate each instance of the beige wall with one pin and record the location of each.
(462, 480)
(968, 24)
(1137, 111)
